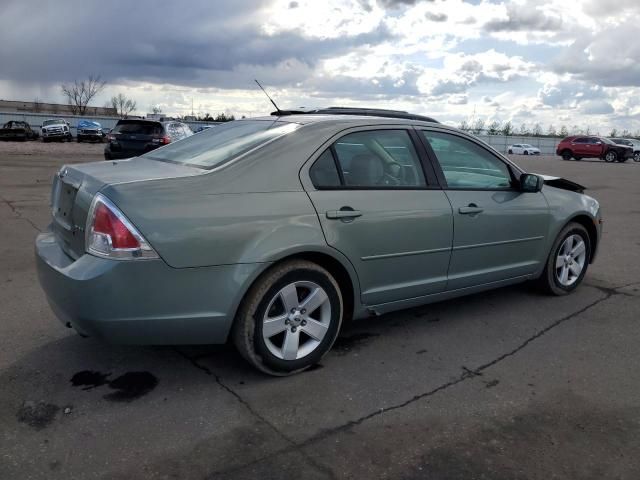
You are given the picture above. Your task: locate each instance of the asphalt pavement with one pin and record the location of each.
(509, 384)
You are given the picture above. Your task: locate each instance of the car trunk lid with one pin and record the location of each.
(74, 187)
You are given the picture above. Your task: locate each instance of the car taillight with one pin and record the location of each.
(164, 140)
(109, 234)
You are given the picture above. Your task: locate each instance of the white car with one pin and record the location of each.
(523, 149)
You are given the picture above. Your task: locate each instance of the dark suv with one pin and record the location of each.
(580, 147)
(130, 138)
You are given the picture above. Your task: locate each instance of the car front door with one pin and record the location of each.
(378, 208)
(499, 231)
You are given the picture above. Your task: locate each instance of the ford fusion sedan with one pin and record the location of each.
(272, 232)
(523, 149)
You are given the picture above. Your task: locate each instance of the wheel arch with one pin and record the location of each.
(340, 268)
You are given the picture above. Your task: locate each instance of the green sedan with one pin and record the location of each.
(272, 232)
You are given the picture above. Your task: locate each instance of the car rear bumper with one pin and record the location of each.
(141, 301)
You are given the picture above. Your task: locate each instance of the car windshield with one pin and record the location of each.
(526, 145)
(50, 122)
(607, 141)
(216, 146)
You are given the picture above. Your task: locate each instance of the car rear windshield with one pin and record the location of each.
(218, 145)
(137, 127)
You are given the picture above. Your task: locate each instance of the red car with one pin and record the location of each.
(580, 147)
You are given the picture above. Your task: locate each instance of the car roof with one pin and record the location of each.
(309, 118)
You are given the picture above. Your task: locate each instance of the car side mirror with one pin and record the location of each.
(531, 183)
(598, 143)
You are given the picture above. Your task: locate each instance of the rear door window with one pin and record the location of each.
(370, 159)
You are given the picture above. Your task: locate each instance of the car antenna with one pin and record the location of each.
(270, 99)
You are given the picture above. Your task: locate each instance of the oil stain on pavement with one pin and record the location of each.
(128, 387)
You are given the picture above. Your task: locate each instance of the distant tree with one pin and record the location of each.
(524, 130)
(494, 128)
(613, 133)
(564, 132)
(478, 126)
(587, 131)
(205, 118)
(81, 92)
(576, 130)
(507, 129)
(123, 105)
(637, 134)
(221, 117)
(464, 126)
(625, 133)
(551, 131)
(155, 109)
(537, 130)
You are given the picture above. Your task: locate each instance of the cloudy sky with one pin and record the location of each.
(554, 62)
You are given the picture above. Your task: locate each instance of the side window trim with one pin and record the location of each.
(334, 155)
(513, 170)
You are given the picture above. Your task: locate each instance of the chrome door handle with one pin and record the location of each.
(343, 213)
(470, 209)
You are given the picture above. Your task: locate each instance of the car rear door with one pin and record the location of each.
(580, 147)
(499, 231)
(378, 208)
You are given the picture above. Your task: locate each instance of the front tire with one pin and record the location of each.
(636, 157)
(568, 261)
(510, 152)
(610, 156)
(289, 319)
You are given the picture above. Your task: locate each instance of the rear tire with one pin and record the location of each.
(577, 158)
(510, 152)
(526, 152)
(567, 262)
(277, 300)
(566, 154)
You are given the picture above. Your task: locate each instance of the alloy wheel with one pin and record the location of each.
(296, 320)
(570, 260)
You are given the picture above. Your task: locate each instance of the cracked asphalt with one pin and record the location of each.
(509, 384)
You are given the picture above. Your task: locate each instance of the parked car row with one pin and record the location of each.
(579, 147)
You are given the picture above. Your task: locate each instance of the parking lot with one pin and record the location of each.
(509, 384)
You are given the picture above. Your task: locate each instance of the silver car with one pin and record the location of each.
(272, 232)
